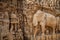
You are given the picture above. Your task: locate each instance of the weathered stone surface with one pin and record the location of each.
(16, 17)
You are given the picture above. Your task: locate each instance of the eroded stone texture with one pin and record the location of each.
(16, 17)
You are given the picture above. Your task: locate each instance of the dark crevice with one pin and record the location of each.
(22, 19)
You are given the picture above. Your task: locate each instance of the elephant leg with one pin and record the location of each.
(54, 36)
(54, 30)
(43, 28)
(35, 32)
